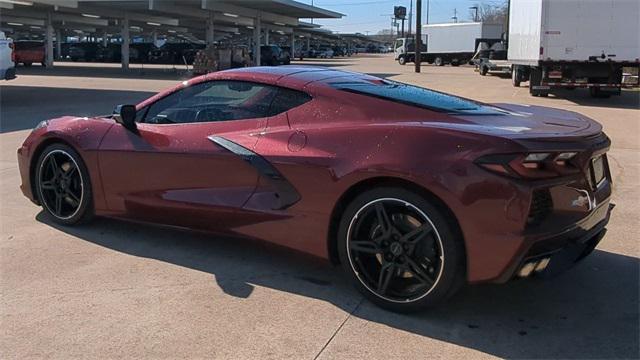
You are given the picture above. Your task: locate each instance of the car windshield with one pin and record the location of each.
(417, 96)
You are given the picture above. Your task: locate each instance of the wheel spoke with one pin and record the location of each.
(58, 204)
(70, 171)
(417, 234)
(53, 164)
(419, 272)
(383, 219)
(365, 246)
(72, 199)
(47, 185)
(386, 274)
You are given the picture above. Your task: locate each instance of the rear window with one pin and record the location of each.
(28, 45)
(417, 96)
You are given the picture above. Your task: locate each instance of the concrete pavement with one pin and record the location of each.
(116, 289)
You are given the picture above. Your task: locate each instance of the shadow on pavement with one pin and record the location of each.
(589, 312)
(627, 100)
(137, 71)
(23, 107)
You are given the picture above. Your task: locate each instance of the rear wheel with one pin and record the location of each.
(399, 250)
(438, 61)
(484, 69)
(515, 77)
(63, 185)
(596, 92)
(535, 82)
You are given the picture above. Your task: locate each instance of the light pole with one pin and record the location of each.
(418, 41)
(475, 18)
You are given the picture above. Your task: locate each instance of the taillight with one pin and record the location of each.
(534, 165)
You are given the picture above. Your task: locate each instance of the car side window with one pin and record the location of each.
(287, 99)
(212, 101)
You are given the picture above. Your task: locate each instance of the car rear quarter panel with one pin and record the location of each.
(337, 155)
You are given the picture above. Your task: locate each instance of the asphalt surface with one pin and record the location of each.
(115, 289)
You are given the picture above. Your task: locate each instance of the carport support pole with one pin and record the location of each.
(49, 41)
(257, 30)
(210, 34)
(58, 44)
(293, 45)
(266, 36)
(308, 43)
(124, 47)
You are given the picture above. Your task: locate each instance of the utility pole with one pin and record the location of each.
(455, 15)
(410, 18)
(418, 41)
(427, 12)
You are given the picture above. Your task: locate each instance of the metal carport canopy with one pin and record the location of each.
(154, 15)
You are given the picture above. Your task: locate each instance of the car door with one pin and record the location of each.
(173, 169)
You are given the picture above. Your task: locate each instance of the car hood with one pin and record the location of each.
(524, 121)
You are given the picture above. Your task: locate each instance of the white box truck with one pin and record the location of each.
(451, 43)
(573, 43)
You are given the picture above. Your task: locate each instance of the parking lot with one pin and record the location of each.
(115, 289)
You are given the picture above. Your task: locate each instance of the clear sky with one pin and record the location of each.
(375, 15)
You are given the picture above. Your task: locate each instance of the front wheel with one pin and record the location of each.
(402, 60)
(63, 185)
(399, 250)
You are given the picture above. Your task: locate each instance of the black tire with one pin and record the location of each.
(402, 60)
(413, 272)
(484, 69)
(455, 62)
(61, 183)
(535, 79)
(515, 77)
(597, 93)
(438, 61)
(27, 64)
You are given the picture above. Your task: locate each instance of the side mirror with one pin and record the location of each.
(126, 115)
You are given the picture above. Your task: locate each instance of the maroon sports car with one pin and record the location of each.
(415, 192)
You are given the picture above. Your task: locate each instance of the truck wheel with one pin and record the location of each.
(402, 60)
(515, 77)
(438, 62)
(27, 64)
(535, 79)
(595, 92)
(455, 62)
(484, 69)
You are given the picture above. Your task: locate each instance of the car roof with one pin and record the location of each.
(295, 77)
(292, 76)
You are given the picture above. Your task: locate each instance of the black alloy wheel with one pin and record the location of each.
(63, 185)
(397, 253)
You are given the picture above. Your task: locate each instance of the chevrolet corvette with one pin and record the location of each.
(413, 192)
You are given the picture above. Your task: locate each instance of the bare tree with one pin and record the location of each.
(491, 13)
